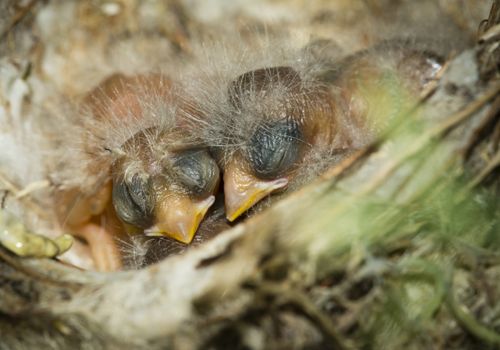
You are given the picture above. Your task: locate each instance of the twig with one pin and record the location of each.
(287, 296)
(468, 322)
(493, 19)
(491, 166)
(10, 187)
(52, 272)
(491, 35)
(356, 310)
(495, 138)
(34, 186)
(488, 38)
(434, 84)
(486, 127)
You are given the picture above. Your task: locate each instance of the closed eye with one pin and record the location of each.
(196, 171)
(274, 148)
(134, 201)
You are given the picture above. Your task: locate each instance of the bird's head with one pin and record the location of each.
(161, 187)
(274, 119)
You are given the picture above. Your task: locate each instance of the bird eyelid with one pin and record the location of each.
(275, 147)
(291, 126)
(133, 200)
(196, 170)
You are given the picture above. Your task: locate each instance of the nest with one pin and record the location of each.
(396, 246)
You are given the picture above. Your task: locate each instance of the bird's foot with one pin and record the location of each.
(103, 248)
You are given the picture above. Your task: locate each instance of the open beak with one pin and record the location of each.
(178, 217)
(243, 190)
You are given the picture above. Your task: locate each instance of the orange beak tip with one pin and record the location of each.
(232, 217)
(183, 227)
(183, 239)
(238, 203)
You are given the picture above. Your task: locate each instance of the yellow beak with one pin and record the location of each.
(178, 217)
(243, 190)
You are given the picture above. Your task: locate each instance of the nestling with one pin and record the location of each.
(141, 171)
(275, 127)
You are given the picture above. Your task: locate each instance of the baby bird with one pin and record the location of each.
(142, 171)
(281, 117)
(275, 127)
